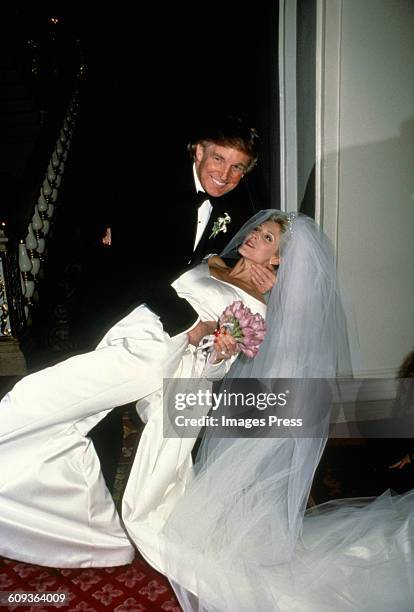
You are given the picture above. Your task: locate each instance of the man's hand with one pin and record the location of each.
(203, 328)
(107, 239)
(263, 277)
(406, 460)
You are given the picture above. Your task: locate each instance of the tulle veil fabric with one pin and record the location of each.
(234, 541)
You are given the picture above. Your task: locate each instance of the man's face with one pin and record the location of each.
(220, 169)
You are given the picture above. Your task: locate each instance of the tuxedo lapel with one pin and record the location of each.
(199, 253)
(185, 213)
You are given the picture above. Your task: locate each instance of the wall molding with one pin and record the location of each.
(287, 93)
(328, 110)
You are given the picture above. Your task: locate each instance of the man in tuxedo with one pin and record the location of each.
(196, 212)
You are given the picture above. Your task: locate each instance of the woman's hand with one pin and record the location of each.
(262, 277)
(225, 346)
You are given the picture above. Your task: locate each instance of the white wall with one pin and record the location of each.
(365, 169)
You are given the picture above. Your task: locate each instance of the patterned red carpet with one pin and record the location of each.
(129, 588)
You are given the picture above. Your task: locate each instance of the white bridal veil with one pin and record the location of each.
(235, 539)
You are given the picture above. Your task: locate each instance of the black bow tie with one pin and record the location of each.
(200, 197)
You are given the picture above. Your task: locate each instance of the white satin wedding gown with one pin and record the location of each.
(55, 509)
(217, 535)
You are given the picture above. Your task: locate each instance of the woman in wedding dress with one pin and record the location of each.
(55, 509)
(231, 532)
(240, 538)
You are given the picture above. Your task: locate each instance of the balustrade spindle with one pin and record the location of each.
(25, 266)
(31, 246)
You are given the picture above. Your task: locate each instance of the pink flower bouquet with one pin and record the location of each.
(247, 328)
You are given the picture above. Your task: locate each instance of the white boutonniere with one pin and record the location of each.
(220, 225)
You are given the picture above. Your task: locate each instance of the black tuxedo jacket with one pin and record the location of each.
(153, 240)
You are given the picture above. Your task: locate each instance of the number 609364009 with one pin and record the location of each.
(32, 597)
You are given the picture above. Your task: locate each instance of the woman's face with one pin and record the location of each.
(262, 244)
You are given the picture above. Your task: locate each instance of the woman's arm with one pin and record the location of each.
(201, 329)
(216, 262)
(224, 351)
(262, 277)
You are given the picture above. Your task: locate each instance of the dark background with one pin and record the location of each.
(154, 71)
(152, 75)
